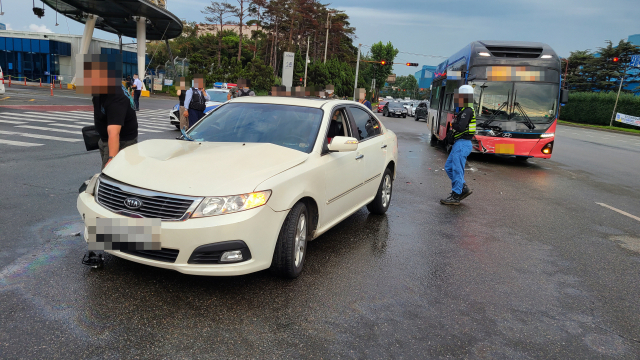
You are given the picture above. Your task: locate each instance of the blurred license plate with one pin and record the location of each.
(123, 234)
(508, 149)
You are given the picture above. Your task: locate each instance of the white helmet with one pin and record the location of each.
(465, 89)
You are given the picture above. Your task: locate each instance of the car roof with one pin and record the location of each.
(295, 101)
(218, 90)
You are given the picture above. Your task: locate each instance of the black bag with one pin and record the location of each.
(91, 137)
(197, 101)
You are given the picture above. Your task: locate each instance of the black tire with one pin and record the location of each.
(177, 127)
(404, 116)
(385, 113)
(284, 255)
(381, 202)
(416, 116)
(433, 141)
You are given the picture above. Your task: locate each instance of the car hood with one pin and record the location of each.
(201, 168)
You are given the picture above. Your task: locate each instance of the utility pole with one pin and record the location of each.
(616, 105)
(326, 42)
(355, 86)
(306, 62)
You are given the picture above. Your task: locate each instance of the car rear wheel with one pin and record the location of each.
(381, 202)
(433, 141)
(290, 251)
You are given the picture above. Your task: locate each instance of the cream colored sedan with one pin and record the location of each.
(251, 183)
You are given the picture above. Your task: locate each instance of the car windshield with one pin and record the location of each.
(217, 96)
(295, 127)
(509, 101)
(395, 105)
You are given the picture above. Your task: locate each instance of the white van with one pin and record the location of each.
(1, 82)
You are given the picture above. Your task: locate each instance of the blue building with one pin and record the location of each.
(425, 76)
(50, 56)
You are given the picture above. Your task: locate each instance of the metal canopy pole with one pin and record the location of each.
(306, 62)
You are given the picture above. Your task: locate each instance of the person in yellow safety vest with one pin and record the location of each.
(463, 129)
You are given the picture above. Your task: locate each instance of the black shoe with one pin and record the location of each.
(93, 260)
(453, 199)
(465, 192)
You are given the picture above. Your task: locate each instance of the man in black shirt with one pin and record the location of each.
(114, 115)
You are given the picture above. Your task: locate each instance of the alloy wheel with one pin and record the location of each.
(386, 191)
(301, 239)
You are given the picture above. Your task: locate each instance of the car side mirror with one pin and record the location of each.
(343, 144)
(564, 96)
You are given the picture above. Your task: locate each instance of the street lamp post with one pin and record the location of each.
(326, 41)
(355, 86)
(624, 73)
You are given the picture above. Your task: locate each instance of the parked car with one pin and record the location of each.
(252, 182)
(381, 105)
(422, 110)
(218, 96)
(394, 108)
(407, 105)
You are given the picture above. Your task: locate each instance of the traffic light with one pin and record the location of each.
(615, 59)
(412, 64)
(383, 62)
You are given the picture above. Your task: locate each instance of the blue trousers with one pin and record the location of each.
(456, 162)
(194, 116)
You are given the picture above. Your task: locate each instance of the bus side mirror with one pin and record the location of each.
(564, 96)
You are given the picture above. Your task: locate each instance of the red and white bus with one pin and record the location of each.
(516, 96)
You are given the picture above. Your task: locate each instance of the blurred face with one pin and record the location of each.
(101, 74)
(462, 100)
(183, 84)
(198, 83)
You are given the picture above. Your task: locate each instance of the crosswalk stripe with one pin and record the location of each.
(18, 143)
(13, 122)
(48, 129)
(69, 125)
(38, 136)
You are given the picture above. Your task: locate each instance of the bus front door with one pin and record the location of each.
(441, 116)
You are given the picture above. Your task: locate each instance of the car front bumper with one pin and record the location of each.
(258, 228)
(173, 118)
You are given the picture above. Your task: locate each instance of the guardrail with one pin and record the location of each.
(25, 81)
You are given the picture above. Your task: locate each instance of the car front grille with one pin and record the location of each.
(166, 255)
(112, 194)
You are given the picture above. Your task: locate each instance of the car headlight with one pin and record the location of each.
(176, 107)
(220, 205)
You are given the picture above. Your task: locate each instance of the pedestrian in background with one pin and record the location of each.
(182, 93)
(362, 98)
(243, 88)
(113, 108)
(137, 89)
(463, 129)
(233, 93)
(195, 101)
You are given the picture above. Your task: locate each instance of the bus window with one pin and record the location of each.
(448, 103)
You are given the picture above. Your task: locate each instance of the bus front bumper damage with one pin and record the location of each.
(513, 146)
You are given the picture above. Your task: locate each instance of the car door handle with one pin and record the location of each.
(359, 157)
(383, 147)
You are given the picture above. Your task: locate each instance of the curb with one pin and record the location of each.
(598, 129)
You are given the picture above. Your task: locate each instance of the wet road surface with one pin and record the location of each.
(529, 267)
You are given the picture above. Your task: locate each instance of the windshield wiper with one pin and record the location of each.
(493, 117)
(185, 136)
(527, 121)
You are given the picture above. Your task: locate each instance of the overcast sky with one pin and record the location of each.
(430, 27)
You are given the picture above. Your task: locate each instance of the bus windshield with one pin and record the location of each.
(515, 101)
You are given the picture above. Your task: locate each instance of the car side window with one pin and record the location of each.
(366, 125)
(338, 125)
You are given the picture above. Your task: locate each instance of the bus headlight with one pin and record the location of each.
(547, 149)
(547, 135)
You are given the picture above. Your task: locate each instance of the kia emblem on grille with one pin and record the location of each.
(133, 203)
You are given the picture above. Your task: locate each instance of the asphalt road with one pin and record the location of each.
(530, 266)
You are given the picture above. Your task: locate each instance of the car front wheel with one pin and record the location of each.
(381, 202)
(290, 251)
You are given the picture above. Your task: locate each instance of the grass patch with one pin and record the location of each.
(632, 131)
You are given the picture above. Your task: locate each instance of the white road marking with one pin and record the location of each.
(13, 122)
(38, 136)
(18, 143)
(48, 129)
(619, 211)
(9, 119)
(69, 125)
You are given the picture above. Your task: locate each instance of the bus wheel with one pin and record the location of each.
(433, 141)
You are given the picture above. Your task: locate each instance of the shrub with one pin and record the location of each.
(596, 108)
